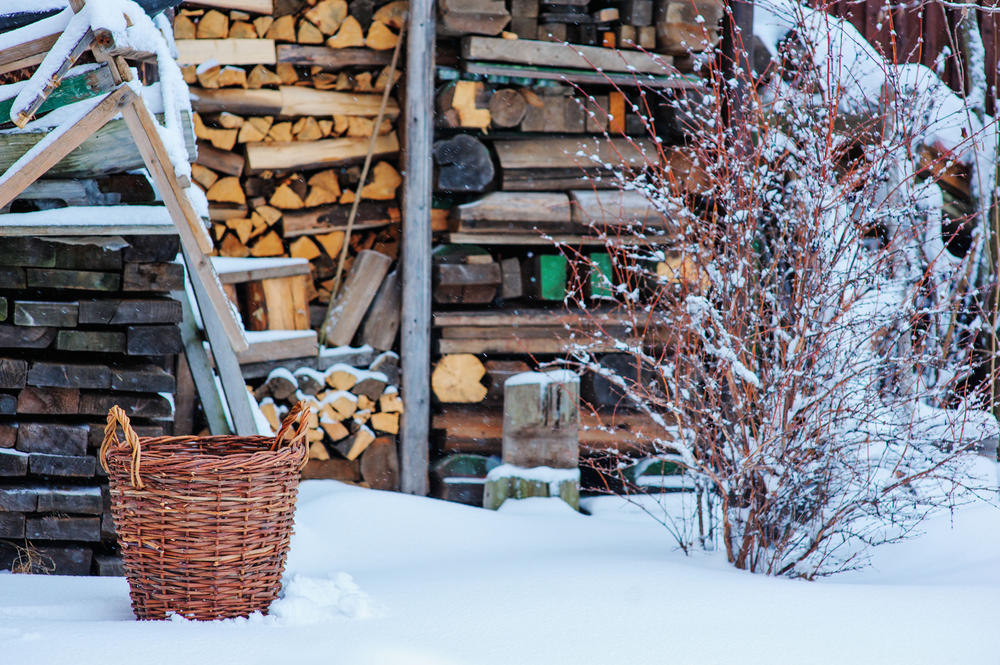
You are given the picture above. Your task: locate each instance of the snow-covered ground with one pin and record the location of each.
(382, 578)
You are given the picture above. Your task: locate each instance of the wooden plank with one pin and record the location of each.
(153, 340)
(551, 54)
(548, 239)
(332, 59)
(480, 430)
(153, 277)
(272, 345)
(13, 373)
(49, 401)
(317, 154)
(237, 271)
(106, 151)
(201, 370)
(220, 320)
(549, 153)
(46, 278)
(416, 249)
(290, 101)
(96, 341)
(129, 311)
(349, 306)
(614, 207)
(370, 215)
(382, 323)
(226, 51)
(20, 337)
(89, 221)
(69, 375)
(586, 76)
(253, 6)
(36, 162)
(38, 313)
(28, 54)
(516, 207)
(223, 161)
(73, 88)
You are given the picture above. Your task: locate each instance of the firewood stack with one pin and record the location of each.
(354, 420)
(85, 323)
(286, 97)
(529, 131)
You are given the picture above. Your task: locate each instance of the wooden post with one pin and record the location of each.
(541, 444)
(415, 343)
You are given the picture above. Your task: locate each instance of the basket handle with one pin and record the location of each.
(116, 417)
(293, 427)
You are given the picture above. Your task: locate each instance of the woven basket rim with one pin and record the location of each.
(151, 455)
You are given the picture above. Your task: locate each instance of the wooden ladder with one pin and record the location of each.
(223, 327)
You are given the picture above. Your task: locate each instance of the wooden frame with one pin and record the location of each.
(222, 326)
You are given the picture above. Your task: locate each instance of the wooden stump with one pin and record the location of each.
(540, 440)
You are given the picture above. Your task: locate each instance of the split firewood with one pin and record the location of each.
(363, 82)
(259, 225)
(334, 430)
(285, 198)
(287, 73)
(341, 377)
(380, 37)
(218, 230)
(326, 126)
(226, 190)
(390, 402)
(268, 245)
(316, 448)
(384, 182)
(362, 416)
(255, 129)
(309, 34)
(327, 15)
(340, 123)
(457, 379)
(365, 403)
(184, 27)
(349, 35)
(343, 82)
(282, 29)
(324, 189)
(231, 246)
(363, 127)
(204, 176)
(190, 74)
(310, 381)
(223, 139)
(307, 129)
(208, 75)
(324, 81)
(354, 445)
(343, 403)
(480, 17)
(261, 76)
(213, 25)
(393, 14)
(230, 120)
(242, 227)
(280, 131)
(463, 104)
(383, 79)
(242, 30)
(279, 384)
(270, 215)
(331, 242)
(232, 77)
(370, 384)
(304, 248)
(385, 422)
(262, 23)
(270, 411)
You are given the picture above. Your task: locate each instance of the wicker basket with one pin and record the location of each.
(203, 522)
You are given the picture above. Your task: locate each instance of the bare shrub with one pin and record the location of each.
(808, 334)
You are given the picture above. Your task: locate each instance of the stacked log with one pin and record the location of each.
(530, 133)
(286, 98)
(354, 417)
(85, 323)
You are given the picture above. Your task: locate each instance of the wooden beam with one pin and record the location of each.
(108, 150)
(27, 54)
(415, 344)
(316, 154)
(553, 54)
(44, 155)
(332, 59)
(226, 51)
(201, 369)
(255, 6)
(289, 101)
